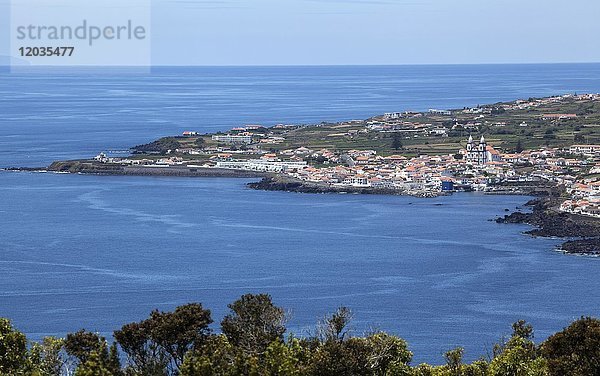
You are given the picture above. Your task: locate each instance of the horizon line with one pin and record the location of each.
(290, 65)
(374, 64)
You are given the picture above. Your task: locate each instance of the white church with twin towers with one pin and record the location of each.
(481, 154)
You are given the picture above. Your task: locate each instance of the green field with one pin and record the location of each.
(341, 137)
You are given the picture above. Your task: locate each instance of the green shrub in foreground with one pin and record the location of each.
(253, 343)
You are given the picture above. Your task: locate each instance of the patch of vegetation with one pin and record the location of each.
(253, 342)
(160, 146)
(507, 130)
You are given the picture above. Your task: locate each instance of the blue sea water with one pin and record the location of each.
(97, 252)
(61, 114)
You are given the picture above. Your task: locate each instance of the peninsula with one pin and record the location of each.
(547, 147)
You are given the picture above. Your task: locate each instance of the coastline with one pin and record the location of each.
(583, 232)
(269, 181)
(289, 184)
(94, 168)
(547, 221)
(369, 157)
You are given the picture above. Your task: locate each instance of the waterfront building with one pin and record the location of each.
(357, 181)
(447, 185)
(102, 158)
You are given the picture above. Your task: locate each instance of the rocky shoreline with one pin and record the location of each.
(544, 216)
(585, 247)
(288, 184)
(584, 232)
(93, 167)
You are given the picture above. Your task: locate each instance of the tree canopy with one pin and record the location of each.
(253, 342)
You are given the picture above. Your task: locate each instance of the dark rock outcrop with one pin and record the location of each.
(288, 184)
(582, 246)
(549, 222)
(94, 167)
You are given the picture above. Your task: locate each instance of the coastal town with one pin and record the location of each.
(483, 160)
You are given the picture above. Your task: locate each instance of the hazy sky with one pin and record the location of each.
(298, 32)
(223, 32)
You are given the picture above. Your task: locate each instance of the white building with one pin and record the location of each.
(262, 165)
(585, 149)
(439, 132)
(476, 154)
(482, 153)
(357, 181)
(440, 112)
(233, 138)
(392, 115)
(102, 158)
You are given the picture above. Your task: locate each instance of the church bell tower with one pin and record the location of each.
(482, 151)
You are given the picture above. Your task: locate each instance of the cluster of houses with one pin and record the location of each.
(432, 175)
(585, 199)
(412, 123)
(549, 101)
(263, 164)
(585, 194)
(478, 167)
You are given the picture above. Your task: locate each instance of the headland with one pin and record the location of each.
(546, 147)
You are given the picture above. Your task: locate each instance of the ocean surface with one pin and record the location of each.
(60, 114)
(98, 252)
